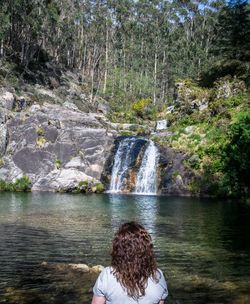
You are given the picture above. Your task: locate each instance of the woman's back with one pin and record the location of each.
(133, 276)
(107, 286)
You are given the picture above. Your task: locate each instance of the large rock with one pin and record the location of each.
(55, 146)
(228, 87)
(61, 180)
(7, 100)
(189, 97)
(174, 178)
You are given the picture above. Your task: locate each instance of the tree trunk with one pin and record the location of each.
(155, 78)
(106, 61)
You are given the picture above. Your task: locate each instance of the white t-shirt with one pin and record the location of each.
(107, 286)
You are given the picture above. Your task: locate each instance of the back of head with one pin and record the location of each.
(133, 258)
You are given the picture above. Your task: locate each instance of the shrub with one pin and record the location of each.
(22, 184)
(1, 162)
(99, 188)
(140, 105)
(236, 155)
(83, 186)
(58, 164)
(41, 141)
(40, 131)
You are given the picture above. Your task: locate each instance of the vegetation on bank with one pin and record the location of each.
(216, 140)
(86, 187)
(22, 184)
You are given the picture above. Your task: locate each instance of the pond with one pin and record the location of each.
(202, 245)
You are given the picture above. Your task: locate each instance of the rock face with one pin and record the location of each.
(55, 146)
(189, 97)
(228, 87)
(7, 100)
(174, 178)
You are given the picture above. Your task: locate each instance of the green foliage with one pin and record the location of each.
(223, 68)
(125, 86)
(41, 141)
(233, 34)
(140, 105)
(99, 188)
(83, 184)
(22, 184)
(175, 173)
(6, 186)
(40, 131)
(231, 44)
(237, 155)
(90, 187)
(58, 164)
(1, 162)
(194, 186)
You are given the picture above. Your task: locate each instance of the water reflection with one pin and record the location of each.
(142, 209)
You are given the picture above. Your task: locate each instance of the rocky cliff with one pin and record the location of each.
(55, 146)
(59, 148)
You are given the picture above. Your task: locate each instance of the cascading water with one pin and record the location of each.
(122, 162)
(125, 160)
(147, 177)
(161, 125)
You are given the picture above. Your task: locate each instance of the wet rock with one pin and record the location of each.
(81, 267)
(73, 267)
(97, 268)
(173, 176)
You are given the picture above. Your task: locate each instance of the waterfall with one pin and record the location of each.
(122, 162)
(147, 176)
(161, 125)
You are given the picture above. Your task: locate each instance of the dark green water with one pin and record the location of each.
(201, 245)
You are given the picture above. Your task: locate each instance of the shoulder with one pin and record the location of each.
(101, 285)
(162, 284)
(160, 277)
(106, 273)
(159, 273)
(107, 270)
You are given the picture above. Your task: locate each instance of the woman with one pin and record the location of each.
(133, 276)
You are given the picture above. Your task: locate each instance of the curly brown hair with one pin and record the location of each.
(133, 259)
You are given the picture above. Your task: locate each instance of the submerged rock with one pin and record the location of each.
(73, 267)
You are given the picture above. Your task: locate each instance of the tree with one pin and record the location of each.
(236, 156)
(233, 31)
